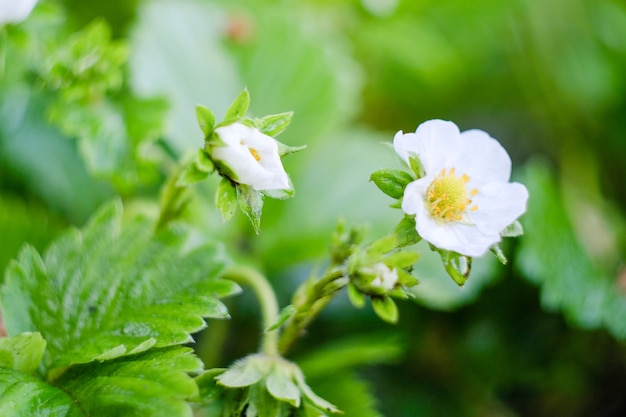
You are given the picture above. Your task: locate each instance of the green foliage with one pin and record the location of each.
(206, 120)
(391, 181)
(251, 203)
(552, 257)
(237, 109)
(22, 352)
(385, 308)
(109, 291)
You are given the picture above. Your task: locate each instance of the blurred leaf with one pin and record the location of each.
(551, 256)
(285, 314)
(43, 159)
(191, 175)
(105, 291)
(353, 396)
(350, 352)
(177, 53)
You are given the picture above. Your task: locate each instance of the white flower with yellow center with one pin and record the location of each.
(465, 199)
(251, 157)
(14, 11)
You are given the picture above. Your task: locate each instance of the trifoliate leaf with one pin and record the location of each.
(274, 124)
(238, 109)
(105, 291)
(226, 198)
(22, 352)
(251, 203)
(385, 308)
(154, 383)
(206, 120)
(23, 395)
(392, 181)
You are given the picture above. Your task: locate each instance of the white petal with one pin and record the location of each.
(482, 158)
(435, 142)
(414, 195)
(14, 11)
(499, 204)
(438, 143)
(465, 239)
(267, 173)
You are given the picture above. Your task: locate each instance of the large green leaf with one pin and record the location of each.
(552, 257)
(22, 395)
(104, 292)
(154, 383)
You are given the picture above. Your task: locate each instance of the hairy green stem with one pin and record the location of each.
(250, 277)
(316, 296)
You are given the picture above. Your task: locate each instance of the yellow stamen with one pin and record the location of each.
(447, 196)
(255, 154)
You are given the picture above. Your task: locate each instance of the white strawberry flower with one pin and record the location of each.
(465, 199)
(14, 11)
(251, 157)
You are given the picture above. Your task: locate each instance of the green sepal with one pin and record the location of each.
(406, 233)
(497, 251)
(357, 299)
(204, 162)
(274, 124)
(261, 403)
(513, 230)
(403, 259)
(251, 203)
(457, 266)
(280, 385)
(406, 279)
(245, 372)
(380, 246)
(208, 388)
(416, 166)
(392, 181)
(286, 150)
(238, 109)
(206, 120)
(226, 198)
(22, 352)
(386, 309)
(191, 175)
(285, 314)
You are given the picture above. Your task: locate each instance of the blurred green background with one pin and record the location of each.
(97, 99)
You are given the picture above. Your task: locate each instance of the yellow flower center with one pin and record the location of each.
(255, 153)
(447, 196)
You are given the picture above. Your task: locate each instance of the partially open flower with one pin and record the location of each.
(250, 157)
(464, 199)
(386, 278)
(14, 11)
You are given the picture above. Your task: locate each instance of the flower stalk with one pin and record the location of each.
(250, 277)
